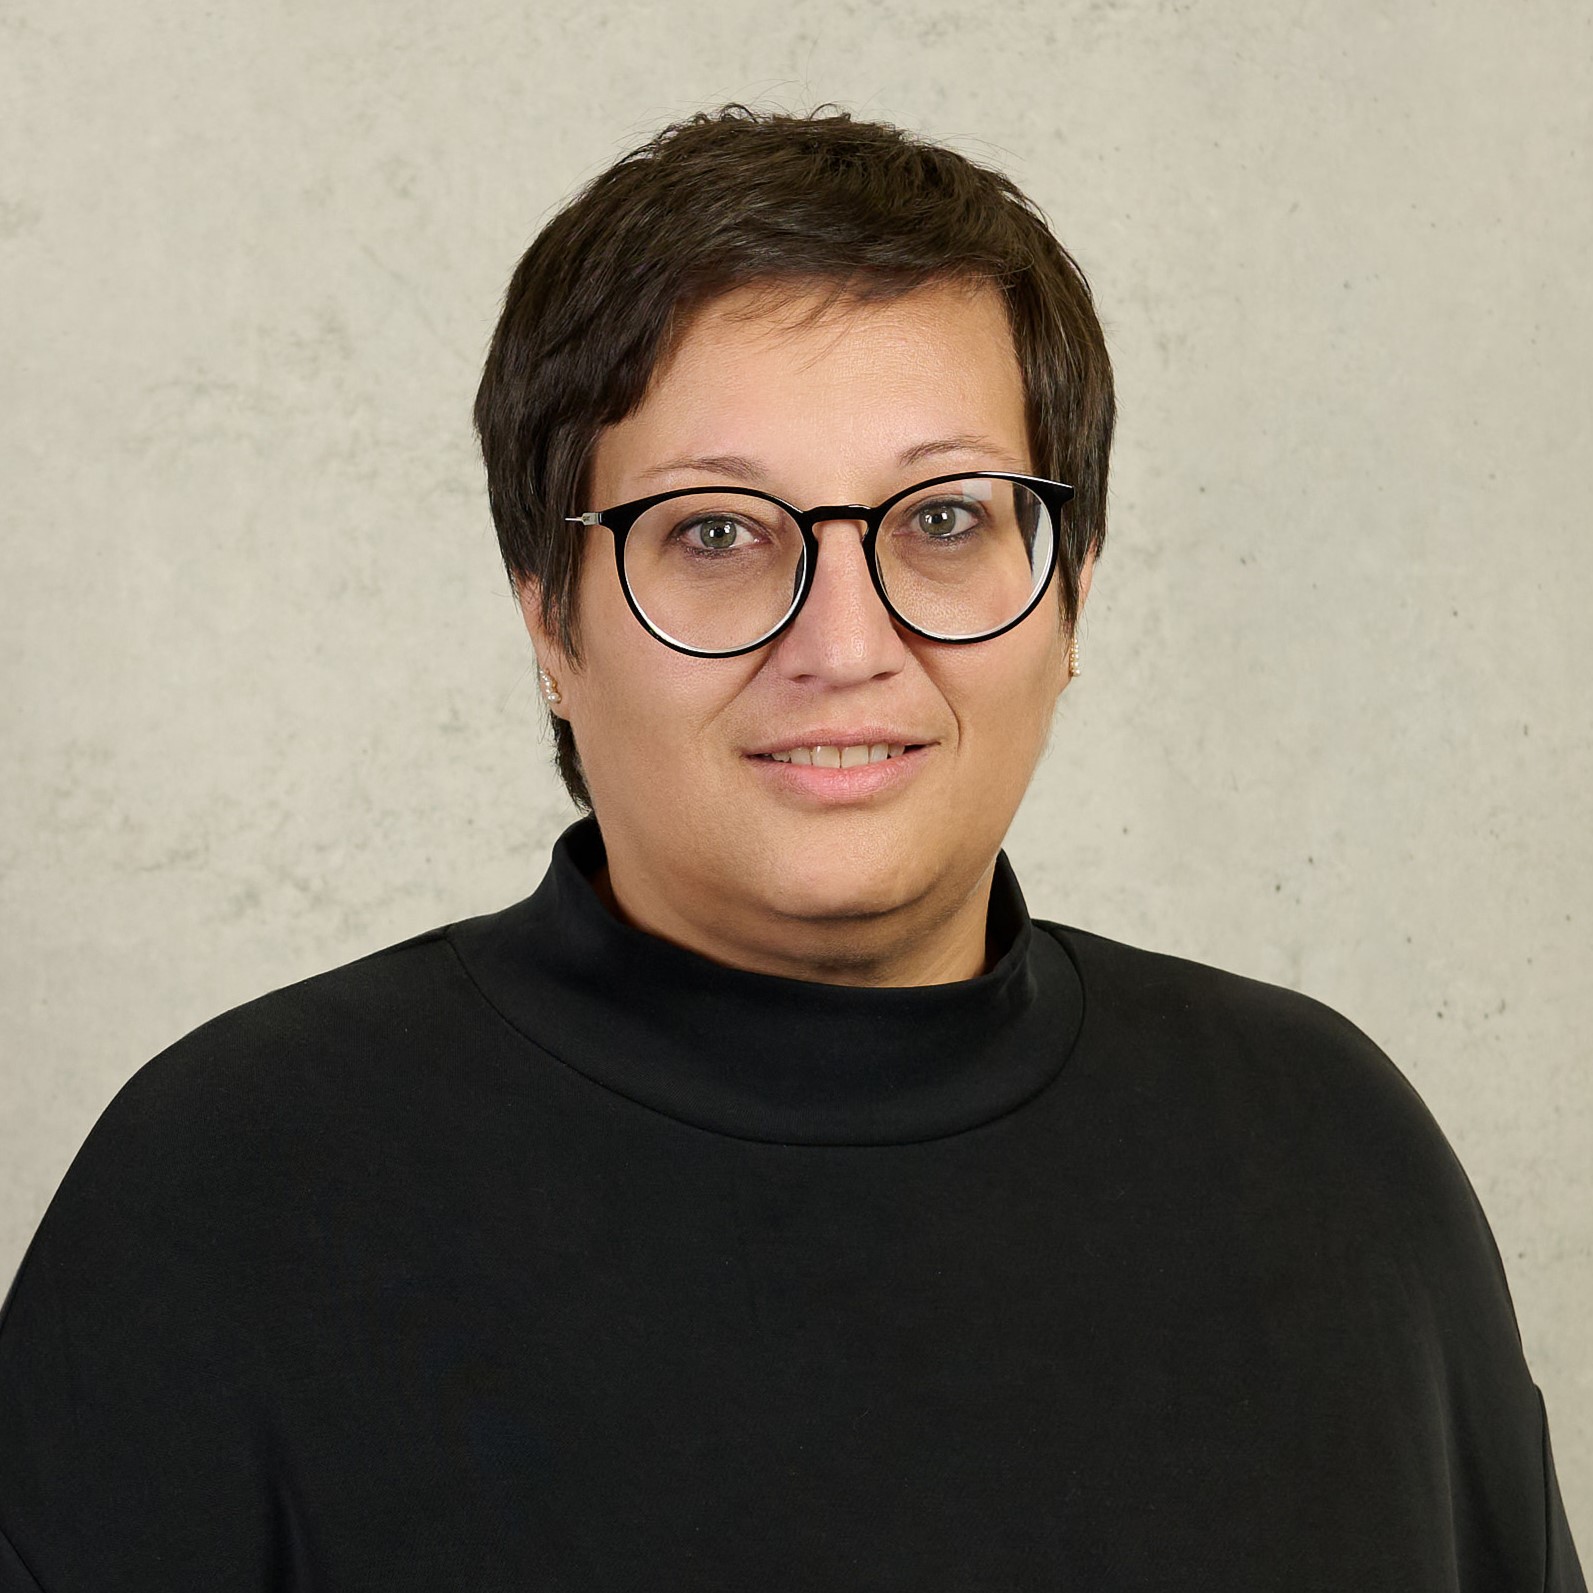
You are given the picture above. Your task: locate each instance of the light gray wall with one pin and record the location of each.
(266, 705)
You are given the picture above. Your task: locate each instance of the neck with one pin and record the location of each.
(780, 1061)
(920, 943)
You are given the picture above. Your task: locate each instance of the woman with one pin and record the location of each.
(767, 1201)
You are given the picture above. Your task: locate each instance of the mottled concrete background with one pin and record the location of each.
(266, 704)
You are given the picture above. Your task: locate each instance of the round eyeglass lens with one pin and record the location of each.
(961, 559)
(715, 571)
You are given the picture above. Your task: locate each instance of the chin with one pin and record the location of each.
(833, 881)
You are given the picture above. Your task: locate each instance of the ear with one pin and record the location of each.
(528, 594)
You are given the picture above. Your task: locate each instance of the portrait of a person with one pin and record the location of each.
(766, 1199)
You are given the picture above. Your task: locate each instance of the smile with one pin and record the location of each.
(836, 757)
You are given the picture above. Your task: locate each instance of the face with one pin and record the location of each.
(758, 862)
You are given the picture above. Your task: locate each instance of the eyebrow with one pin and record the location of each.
(741, 468)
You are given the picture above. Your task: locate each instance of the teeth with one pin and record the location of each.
(842, 757)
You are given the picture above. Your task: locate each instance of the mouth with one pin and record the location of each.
(837, 755)
(828, 774)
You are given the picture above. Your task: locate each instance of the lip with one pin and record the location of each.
(844, 736)
(833, 786)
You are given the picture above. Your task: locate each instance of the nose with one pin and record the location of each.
(844, 634)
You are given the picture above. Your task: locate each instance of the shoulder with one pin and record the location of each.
(1288, 1095)
(1160, 990)
(1201, 1016)
(216, 1130)
(368, 1011)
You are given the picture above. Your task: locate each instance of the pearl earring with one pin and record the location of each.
(1073, 656)
(550, 687)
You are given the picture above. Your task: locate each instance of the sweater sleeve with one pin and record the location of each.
(14, 1575)
(1482, 1355)
(129, 1458)
(1562, 1570)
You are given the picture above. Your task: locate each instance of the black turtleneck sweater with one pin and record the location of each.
(537, 1253)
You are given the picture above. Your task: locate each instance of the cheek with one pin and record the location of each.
(1007, 697)
(647, 706)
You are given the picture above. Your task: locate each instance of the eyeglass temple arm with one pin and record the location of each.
(591, 517)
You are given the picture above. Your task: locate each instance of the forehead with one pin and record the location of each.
(808, 327)
(799, 376)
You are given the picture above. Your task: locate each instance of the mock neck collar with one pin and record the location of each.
(763, 1057)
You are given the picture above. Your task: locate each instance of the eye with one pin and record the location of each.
(713, 533)
(943, 518)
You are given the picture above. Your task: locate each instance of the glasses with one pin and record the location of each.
(718, 571)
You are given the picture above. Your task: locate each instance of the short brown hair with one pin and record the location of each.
(736, 197)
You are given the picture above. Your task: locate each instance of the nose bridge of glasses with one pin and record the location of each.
(840, 514)
(857, 513)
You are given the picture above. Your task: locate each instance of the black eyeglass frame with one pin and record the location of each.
(622, 516)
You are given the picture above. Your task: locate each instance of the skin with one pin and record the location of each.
(704, 849)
